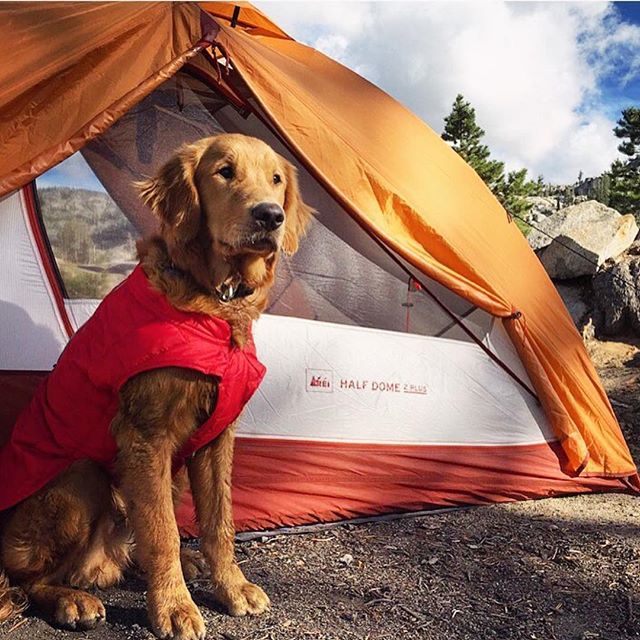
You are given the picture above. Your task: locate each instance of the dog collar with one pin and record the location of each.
(229, 291)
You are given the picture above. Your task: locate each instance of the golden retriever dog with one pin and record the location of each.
(228, 205)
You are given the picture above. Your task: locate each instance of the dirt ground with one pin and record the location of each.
(559, 569)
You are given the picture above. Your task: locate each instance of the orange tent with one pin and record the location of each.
(78, 68)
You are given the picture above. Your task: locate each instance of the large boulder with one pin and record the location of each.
(577, 240)
(616, 293)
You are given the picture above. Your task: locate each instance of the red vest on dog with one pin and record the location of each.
(134, 329)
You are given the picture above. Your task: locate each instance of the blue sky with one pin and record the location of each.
(73, 172)
(547, 79)
(629, 11)
(618, 91)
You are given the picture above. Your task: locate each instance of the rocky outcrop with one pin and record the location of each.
(577, 240)
(616, 291)
(576, 296)
(541, 207)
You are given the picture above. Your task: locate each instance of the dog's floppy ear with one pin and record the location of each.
(172, 195)
(297, 213)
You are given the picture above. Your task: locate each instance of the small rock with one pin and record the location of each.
(347, 559)
(541, 206)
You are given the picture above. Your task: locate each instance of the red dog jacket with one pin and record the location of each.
(134, 329)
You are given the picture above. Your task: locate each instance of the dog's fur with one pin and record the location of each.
(80, 530)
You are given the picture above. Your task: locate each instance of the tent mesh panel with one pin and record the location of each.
(339, 274)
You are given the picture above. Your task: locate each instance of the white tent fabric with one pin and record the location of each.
(330, 382)
(32, 333)
(384, 386)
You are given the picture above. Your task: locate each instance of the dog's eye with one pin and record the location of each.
(276, 178)
(226, 172)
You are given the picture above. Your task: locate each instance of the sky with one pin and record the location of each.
(72, 172)
(548, 80)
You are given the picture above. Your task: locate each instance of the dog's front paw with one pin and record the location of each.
(78, 610)
(241, 598)
(176, 618)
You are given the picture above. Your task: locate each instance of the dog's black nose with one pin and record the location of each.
(268, 215)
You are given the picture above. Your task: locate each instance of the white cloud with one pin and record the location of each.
(531, 70)
(302, 17)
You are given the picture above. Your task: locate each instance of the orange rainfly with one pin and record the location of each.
(72, 72)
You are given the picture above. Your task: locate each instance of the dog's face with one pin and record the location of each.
(228, 203)
(242, 185)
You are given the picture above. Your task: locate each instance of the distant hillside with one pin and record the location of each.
(92, 240)
(108, 226)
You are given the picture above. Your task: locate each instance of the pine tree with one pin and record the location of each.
(516, 188)
(629, 127)
(464, 134)
(624, 192)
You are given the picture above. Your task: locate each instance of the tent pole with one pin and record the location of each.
(247, 536)
(457, 320)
